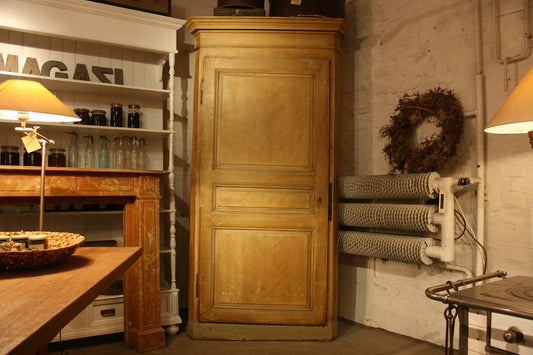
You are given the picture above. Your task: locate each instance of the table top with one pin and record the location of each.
(36, 304)
(512, 296)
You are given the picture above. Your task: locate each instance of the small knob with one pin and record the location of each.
(513, 335)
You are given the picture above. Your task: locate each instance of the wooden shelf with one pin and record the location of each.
(92, 22)
(90, 87)
(85, 130)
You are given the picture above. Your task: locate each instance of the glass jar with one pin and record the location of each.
(83, 113)
(32, 159)
(134, 116)
(98, 118)
(57, 157)
(115, 118)
(10, 155)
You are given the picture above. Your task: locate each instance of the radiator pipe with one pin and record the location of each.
(446, 219)
(480, 140)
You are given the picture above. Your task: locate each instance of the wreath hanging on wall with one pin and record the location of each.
(437, 106)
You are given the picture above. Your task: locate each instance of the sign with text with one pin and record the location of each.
(60, 70)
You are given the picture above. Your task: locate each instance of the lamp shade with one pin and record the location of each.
(30, 101)
(516, 113)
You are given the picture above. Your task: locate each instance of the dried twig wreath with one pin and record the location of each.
(437, 106)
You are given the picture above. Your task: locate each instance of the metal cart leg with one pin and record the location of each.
(463, 330)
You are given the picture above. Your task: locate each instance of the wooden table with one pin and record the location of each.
(36, 304)
(138, 190)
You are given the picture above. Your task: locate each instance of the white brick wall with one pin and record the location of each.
(404, 46)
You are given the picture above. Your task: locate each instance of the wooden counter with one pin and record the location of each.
(36, 304)
(139, 191)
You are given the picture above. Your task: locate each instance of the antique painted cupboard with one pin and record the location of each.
(263, 262)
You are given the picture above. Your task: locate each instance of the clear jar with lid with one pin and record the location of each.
(10, 155)
(134, 116)
(57, 157)
(98, 118)
(115, 118)
(83, 113)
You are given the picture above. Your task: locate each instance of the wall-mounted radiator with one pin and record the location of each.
(388, 217)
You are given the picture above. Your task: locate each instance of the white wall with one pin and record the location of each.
(395, 47)
(405, 46)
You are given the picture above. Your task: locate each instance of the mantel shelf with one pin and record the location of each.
(78, 171)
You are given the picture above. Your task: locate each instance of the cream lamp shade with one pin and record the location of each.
(27, 100)
(516, 113)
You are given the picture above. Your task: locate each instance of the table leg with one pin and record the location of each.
(463, 330)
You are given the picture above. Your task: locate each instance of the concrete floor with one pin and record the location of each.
(352, 339)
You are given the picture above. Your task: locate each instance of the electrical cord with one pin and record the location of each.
(470, 232)
(460, 220)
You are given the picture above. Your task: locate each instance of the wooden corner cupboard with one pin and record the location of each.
(263, 262)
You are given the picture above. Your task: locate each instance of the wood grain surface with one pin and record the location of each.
(36, 304)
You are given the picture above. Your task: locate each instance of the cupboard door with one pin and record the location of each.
(263, 141)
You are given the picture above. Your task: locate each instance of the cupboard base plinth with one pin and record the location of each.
(225, 331)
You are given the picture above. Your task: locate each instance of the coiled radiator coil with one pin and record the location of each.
(402, 248)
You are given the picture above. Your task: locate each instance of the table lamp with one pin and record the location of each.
(516, 113)
(30, 101)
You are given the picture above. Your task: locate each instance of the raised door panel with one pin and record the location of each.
(264, 173)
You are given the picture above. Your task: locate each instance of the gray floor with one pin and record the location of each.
(352, 339)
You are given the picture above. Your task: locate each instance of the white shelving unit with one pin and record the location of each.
(142, 45)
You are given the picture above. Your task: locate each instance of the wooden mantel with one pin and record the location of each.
(139, 191)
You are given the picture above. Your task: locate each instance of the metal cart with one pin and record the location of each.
(512, 296)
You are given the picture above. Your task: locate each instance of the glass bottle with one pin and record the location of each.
(141, 155)
(134, 153)
(127, 152)
(73, 159)
(118, 154)
(113, 153)
(103, 153)
(90, 155)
